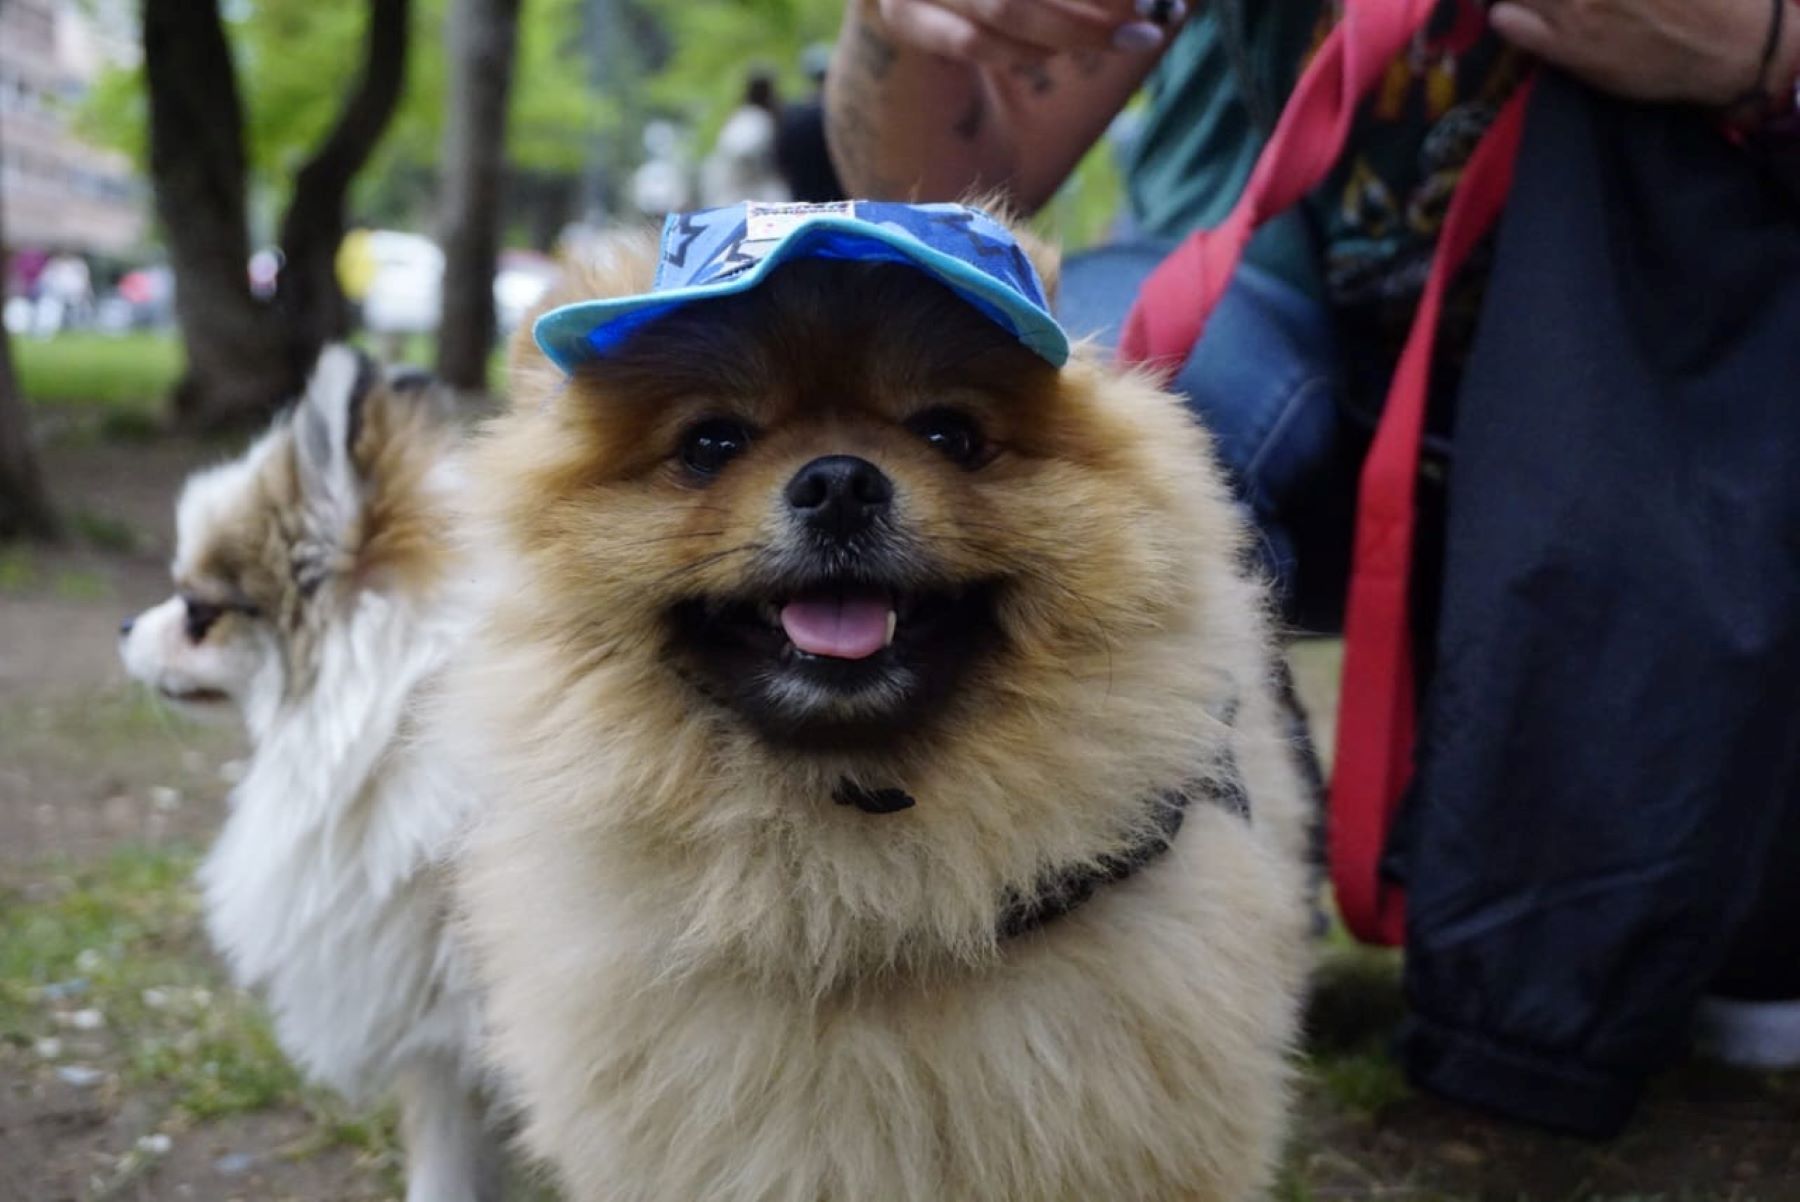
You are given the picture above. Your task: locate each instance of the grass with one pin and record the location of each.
(122, 938)
(18, 569)
(76, 584)
(129, 375)
(127, 378)
(105, 969)
(122, 941)
(103, 532)
(126, 729)
(1354, 1007)
(20, 575)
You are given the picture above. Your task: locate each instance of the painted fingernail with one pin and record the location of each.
(1137, 36)
(1161, 12)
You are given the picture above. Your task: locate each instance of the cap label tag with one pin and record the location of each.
(768, 222)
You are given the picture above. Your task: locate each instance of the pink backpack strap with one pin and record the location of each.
(1376, 707)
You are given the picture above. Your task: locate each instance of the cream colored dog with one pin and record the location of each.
(885, 794)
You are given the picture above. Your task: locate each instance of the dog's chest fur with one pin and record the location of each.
(1124, 1051)
(324, 891)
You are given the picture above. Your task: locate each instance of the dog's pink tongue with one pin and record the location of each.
(843, 626)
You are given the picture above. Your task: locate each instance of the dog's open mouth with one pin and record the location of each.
(849, 623)
(831, 661)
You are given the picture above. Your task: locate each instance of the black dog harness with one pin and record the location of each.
(1059, 892)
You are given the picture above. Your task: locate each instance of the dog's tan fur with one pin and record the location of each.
(711, 984)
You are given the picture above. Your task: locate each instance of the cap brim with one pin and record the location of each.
(577, 333)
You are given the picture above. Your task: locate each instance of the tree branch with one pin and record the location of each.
(308, 293)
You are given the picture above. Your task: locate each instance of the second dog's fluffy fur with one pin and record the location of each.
(315, 593)
(712, 982)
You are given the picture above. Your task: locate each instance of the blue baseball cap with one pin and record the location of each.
(719, 252)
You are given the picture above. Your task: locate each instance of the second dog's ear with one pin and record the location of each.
(326, 423)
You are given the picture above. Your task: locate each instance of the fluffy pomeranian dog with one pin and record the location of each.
(885, 796)
(315, 591)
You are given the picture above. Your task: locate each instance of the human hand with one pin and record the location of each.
(1026, 32)
(1697, 51)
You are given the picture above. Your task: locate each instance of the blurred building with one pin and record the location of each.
(60, 193)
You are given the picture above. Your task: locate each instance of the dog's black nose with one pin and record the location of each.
(839, 495)
(125, 627)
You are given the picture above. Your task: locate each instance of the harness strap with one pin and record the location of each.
(1061, 892)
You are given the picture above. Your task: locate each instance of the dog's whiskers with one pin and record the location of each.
(708, 560)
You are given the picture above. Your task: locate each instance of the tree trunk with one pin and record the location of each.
(548, 201)
(24, 506)
(247, 357)
(237, 367)
(309, 298)
(481, 37)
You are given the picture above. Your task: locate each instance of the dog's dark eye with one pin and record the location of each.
(709, 445)
(201, 615)
(953, 434)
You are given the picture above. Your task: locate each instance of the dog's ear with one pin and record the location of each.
(619, 264)
(368, 446)
(327, 422)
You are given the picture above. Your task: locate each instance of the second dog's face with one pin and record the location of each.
(273, 547)
(831, 506)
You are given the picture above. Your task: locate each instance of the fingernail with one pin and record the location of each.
(1162, 12)
(1137, 36)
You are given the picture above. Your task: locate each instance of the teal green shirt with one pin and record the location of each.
(1364, 239)
(1211, 101)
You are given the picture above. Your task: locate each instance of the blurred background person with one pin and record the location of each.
(800, 150)
(741, 165)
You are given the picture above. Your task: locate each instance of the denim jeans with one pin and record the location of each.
(1265, 379)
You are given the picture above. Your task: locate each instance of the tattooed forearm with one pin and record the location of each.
(854, 109)
(1089, 63)
(874, 53)
(907, 121)
(1036, 76)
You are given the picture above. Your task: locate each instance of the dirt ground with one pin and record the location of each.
(88, 766)
(88, 1110)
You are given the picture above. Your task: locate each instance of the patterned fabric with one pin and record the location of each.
(723, 251)
(1380, 212)
(1363, 241)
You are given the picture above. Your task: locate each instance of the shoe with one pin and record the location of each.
(1753, 1035)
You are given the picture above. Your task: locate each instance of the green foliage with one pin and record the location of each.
(717, 43)
(297, 60)
(115, 112)
(1083, 210)
(556, 109)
